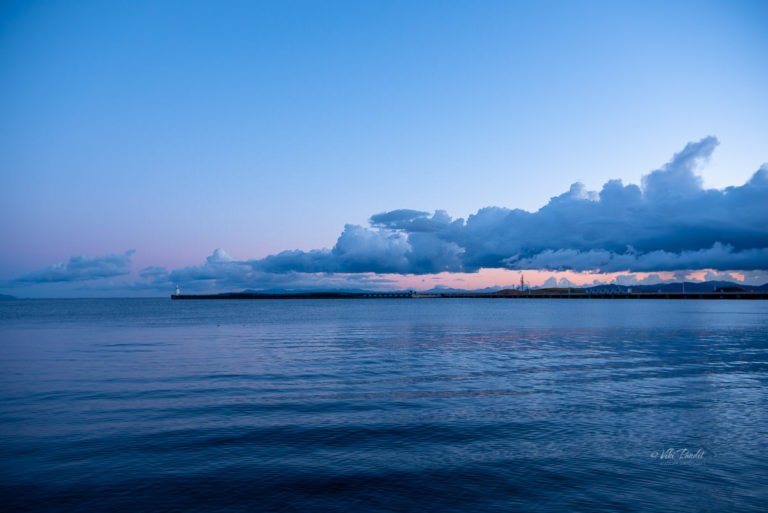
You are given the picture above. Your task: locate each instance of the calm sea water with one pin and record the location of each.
(384, 405)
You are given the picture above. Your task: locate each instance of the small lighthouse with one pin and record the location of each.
(178, 291)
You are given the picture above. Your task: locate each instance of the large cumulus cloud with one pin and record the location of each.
(377, 250)
(669, 222)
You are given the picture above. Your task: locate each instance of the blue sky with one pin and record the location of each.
(175, 128)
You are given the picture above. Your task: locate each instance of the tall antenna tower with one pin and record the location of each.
(522, 282)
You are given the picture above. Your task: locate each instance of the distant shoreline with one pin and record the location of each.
(532, 294)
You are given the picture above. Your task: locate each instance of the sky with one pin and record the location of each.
(380, 144)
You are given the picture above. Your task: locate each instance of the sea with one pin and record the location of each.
(384, 405)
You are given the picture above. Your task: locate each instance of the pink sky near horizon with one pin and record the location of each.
(504, 278)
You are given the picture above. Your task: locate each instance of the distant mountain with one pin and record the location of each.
(6, 297)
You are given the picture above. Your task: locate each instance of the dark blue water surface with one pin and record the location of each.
(384, 405)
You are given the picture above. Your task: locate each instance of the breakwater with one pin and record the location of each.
(473, 295)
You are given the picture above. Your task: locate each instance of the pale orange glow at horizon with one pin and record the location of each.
(505, 278)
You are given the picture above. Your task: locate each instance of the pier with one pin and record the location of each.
(530, 294)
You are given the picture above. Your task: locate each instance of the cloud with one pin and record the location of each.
(554, 282)
(722, 276)
(360, 250)
(670, 222)
(717, 257)
(221, 271)
(677, 179)
(82, 268)
(414, 221)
